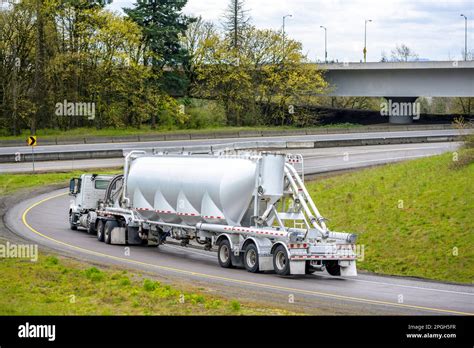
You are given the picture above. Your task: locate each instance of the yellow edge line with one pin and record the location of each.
(177, 270)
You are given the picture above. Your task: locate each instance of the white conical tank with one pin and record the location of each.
(188, 189)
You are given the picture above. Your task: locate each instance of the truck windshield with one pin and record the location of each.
(101, 184)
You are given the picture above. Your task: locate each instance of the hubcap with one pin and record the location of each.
(280, 260)
(224, 253)
(251, 258)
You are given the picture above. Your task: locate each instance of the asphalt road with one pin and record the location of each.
(156, 144)
(316, 160)
(43, 220)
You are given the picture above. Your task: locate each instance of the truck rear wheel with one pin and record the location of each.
(100, 230)
(72, 224)
(251, 258)
(224, 254)
(109, 226)
(281, 262)
(333, 268)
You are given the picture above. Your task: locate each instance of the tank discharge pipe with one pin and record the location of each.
(126, 168)
(251, 231)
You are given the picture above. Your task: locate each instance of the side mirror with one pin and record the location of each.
(74, 186)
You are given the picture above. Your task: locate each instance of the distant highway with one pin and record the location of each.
(316, 160)
(155, 144)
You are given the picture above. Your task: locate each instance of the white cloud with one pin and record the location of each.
(433, 28)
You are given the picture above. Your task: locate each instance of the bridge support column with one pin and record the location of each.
(401, 110)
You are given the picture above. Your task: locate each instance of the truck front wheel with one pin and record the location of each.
(72, 218)
(224, 254)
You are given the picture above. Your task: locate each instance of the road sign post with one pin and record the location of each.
(31, 141)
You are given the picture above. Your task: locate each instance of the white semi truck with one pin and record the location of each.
(254, 208)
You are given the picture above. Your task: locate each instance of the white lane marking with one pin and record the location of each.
(413, 287)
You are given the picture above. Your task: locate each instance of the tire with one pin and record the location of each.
(100, 230)
(71, 221)
(90, 226)
(109, 226)
(251, 258)
(224, 254)
(333, 268)
(308, 268)
(281, 262)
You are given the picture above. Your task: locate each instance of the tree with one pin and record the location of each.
(236, 20)
(252, 83)
(403, 53)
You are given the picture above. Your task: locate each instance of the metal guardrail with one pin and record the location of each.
(224, 134)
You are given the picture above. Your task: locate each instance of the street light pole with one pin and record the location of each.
(284, 18)
(465, 37)
(325, 43)
(365, 40)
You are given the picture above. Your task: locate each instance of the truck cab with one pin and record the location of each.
(87, 192)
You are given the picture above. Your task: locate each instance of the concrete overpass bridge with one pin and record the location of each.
(401, 83)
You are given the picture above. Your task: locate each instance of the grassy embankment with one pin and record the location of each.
(146, 130)
(414, 218)
(53, 286)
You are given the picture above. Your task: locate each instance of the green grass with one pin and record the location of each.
(414, 218)
(10, 183)
(146, 130)
(53, 286)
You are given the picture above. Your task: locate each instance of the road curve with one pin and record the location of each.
(43, 220)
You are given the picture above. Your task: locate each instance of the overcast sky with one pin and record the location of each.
(434, 29)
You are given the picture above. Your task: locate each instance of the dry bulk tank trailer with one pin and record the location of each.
(254, 207)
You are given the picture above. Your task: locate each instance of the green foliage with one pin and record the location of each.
(235, 305)
(94, 274)
(36, 288)
(414, 218)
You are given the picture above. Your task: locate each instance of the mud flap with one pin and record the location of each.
(348, 268)
(297, 267)
(118, 236)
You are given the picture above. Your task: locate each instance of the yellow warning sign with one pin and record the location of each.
(31, 141)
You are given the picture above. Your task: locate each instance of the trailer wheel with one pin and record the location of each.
(224, 254)
(281, 262)
(71, 221)
(100, 230)
(251, 258)
(109, 226)
(309, 269)
(333, 268)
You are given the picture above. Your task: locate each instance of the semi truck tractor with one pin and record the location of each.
(253, 208)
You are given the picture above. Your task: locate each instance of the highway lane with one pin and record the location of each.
(43, 220)
(316, 160)
(155, 144)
